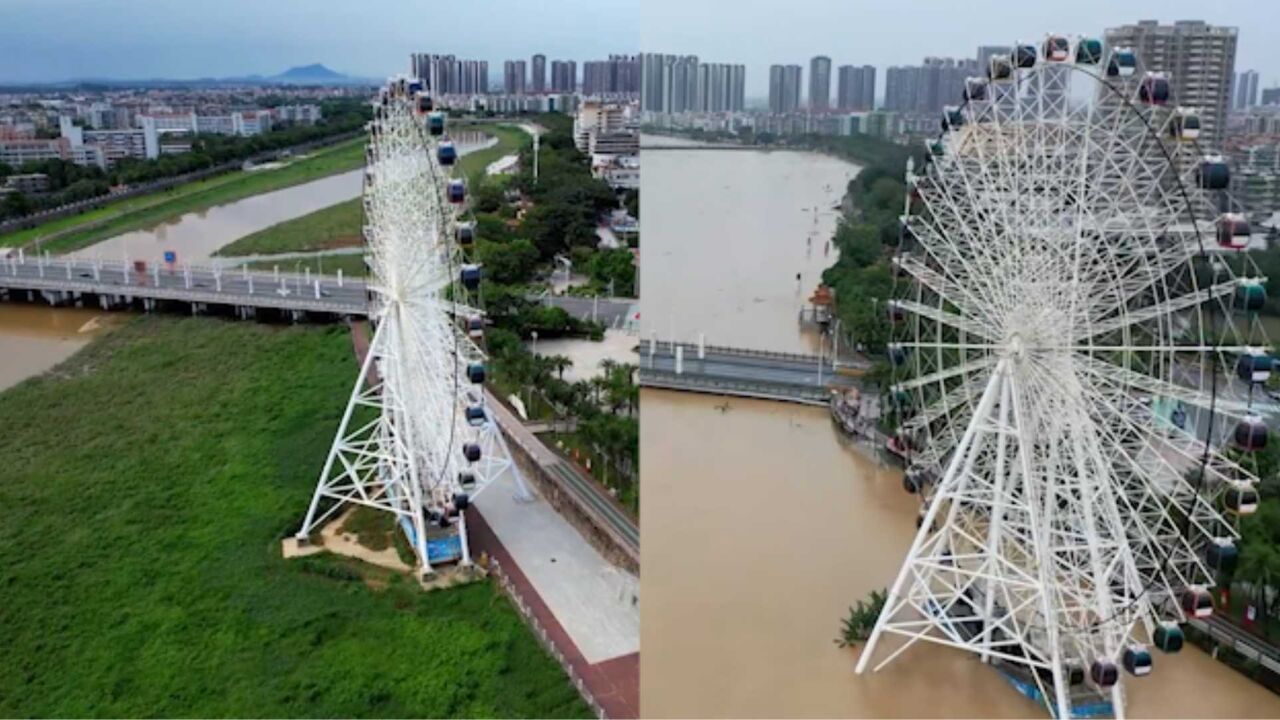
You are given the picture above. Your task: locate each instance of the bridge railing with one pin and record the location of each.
(668, 347)
(17, 263)
(812, 394)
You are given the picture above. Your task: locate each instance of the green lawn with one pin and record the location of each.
(147, 211)
(331, 227)
(340, 225)
(351, 265)
(146, 485)
(510, 139)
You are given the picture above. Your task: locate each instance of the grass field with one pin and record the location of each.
(332, 227)
(339, 225)
(146, 211)
(351, 265)
(146, 485)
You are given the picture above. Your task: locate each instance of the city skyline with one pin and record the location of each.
(862, 33)
(153, 39)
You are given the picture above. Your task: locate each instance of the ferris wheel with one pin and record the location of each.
(1077, 357)
(418, 438)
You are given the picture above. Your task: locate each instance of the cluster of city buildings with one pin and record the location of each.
(103, 130)
(609, 133)
(1199, 59)
(684, 84)
(526, 86)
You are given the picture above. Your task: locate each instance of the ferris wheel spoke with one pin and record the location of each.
(1123, 381)
(967, 325)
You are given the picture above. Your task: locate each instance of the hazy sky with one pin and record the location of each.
(59, 39)
(903, 32)
(44, 40)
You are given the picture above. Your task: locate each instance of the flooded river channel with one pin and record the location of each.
(761, 524)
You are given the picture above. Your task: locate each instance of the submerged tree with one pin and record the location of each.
(862, 620)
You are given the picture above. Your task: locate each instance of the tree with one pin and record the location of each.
(617, 266)
(862, 618)
(508, 263)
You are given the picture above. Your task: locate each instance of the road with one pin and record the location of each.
(612, 312)
(206, 285)
(749, 366)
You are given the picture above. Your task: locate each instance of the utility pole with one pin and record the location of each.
(536, 138)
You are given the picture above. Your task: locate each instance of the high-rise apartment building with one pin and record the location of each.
(538, 76)
(564, 76)
(820, 83)
(1200, 60)
(682, 83)
(928, 87)
(784, 88)
(856, 88)
(513, 77)
(1246, 89)
(619, 75)
(447, 75)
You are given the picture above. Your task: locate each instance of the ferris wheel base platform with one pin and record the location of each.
(1093, 707)
(443, 544)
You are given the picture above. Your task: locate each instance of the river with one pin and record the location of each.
(196, 236)
(761, 524)
(34, 338)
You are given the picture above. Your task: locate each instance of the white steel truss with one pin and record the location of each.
(416, 417)
(1064, 287)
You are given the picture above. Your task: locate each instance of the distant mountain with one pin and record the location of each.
(314, 73)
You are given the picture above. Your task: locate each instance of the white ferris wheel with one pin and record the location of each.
(1077, 359)
(418, 438)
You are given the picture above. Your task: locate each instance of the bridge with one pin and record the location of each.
(128, 284)
(753, 148)
(718, 370)
(122, 284)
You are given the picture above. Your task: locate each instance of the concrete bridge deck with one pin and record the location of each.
(122, 282)
(742, 372)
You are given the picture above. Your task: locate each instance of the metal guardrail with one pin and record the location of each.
(669, 348)
(547, 640)
(188, 283)
(665, 379)
(1239, 640)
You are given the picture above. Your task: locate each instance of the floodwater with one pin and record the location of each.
(735, 228)
(194, 237)
(34, 338)
(762, 525)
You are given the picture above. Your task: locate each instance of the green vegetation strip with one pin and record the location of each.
(326, 228)
(340, 225)
(147, 484)
(351, 265)
(147, 211)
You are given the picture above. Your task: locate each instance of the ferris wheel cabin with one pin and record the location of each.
(1154, 89)
(1185, 125)
(446, 153)
(1123, 63)
(435, 123)
(1213, 173)
(1197, 602)
(1241, 498)
(1089, 51)
(1252, 294)
(1057, 48)
(1233, 231)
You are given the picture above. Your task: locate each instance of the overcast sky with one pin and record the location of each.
(43, 40)
(902, 32)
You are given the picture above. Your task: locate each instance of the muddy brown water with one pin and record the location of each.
(762, 525)
(34, 338)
